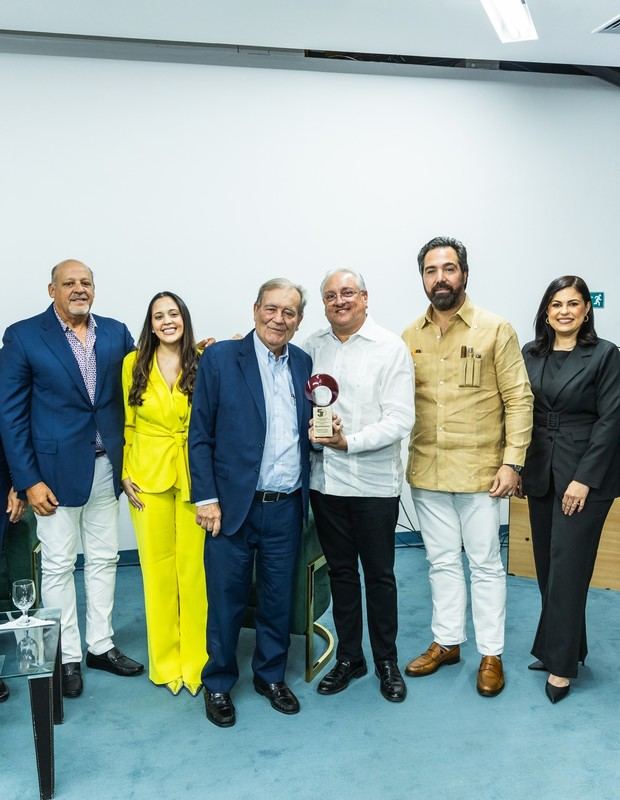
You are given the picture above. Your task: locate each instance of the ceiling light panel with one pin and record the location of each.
(511, 19)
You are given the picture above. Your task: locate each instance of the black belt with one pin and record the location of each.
(99, 453)
(273, 497)
(554, 421)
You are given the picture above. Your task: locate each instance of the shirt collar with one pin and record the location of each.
(465, 312)
(92, 322)
(264, 354)
(369, 330)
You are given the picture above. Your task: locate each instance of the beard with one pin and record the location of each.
(444, 302)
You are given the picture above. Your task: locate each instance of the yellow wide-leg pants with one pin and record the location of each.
(171, 548)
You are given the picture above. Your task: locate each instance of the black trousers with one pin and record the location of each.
(564, 552)
(352, 528)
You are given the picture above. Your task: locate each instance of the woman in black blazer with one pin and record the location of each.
(572, 468)
(14, 509)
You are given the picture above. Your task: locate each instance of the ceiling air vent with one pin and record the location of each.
(613, 26)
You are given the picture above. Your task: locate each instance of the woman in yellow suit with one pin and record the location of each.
(158, 380)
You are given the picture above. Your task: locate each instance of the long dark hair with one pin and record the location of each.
(147, 345)
(545, 335)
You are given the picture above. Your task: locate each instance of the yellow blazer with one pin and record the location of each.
(155, 454)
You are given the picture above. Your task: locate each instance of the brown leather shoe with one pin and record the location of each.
(490, 676)
(432, 659)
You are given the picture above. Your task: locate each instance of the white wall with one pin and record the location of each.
(208, 180)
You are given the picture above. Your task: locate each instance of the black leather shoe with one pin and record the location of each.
(279, 695)
(72, 679)
(391, 681)
(340, 676)
(4, 692)
(556, 693)
(220, 709)
(537, 666)
(114, 661)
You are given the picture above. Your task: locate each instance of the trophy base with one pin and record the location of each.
(323, 419)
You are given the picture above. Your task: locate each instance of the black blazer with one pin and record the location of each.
(576, 433)
(5, 485)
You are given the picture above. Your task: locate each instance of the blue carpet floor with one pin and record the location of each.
(127, 739)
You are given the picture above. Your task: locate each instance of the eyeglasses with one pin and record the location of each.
(345, 294)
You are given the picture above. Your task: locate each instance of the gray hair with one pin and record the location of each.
(283, 283)
(357, 277)
(69, 261)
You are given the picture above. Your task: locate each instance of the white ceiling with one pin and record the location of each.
(436, 28)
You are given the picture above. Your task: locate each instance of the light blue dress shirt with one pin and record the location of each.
(280, 469)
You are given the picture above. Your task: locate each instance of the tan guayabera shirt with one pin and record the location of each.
(473, 401)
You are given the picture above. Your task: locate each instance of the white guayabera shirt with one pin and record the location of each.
(374, 372)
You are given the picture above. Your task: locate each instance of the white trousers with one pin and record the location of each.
(95, 526)
(450, 521)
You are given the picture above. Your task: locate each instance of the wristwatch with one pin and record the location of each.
(517, 468)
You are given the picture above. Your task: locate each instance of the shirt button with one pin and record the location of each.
(441, 383)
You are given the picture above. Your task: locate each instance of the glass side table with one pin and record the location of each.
(35, 653)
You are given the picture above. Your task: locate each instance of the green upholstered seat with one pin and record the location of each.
(311, 599)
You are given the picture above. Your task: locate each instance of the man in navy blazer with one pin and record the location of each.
(249, 462)
(61, 414)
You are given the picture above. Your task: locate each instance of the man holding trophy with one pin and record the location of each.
(365, 372)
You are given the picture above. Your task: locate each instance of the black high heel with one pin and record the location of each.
(556, 693)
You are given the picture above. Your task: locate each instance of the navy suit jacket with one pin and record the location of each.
(585, 446)
(228, 427)
(47, 420)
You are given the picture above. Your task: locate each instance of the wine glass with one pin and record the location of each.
(24, 595)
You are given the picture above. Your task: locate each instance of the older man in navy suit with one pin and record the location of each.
(61, 413)
(249, 461)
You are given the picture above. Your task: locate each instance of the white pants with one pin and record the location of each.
(450, 521)
(95, 526)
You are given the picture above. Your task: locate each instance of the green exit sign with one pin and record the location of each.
(598, 299)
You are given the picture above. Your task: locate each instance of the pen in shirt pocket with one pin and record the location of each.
(463, 366)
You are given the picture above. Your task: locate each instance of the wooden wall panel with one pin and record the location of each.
(521, 560)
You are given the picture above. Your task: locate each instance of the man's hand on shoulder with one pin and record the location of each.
(505, 482)
(42, 499)
(209, 517)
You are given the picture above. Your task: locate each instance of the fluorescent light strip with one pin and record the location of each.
(511, 19)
